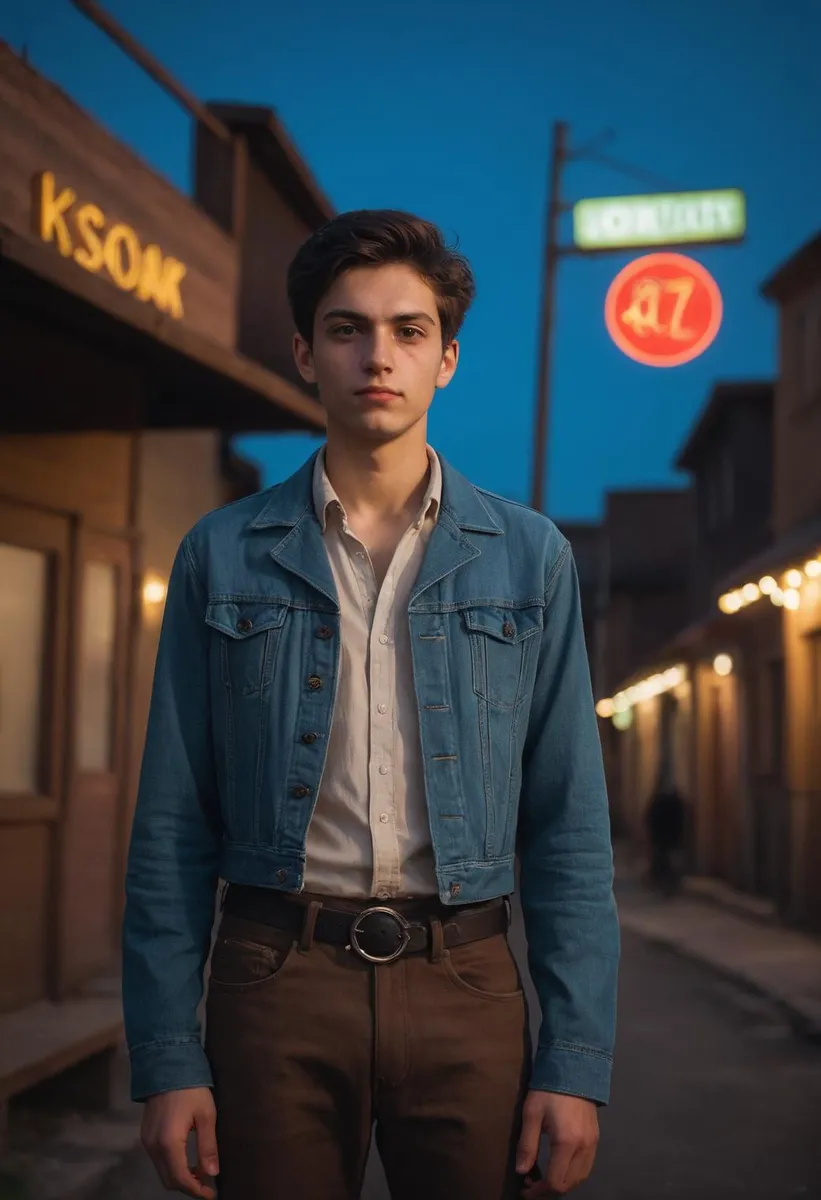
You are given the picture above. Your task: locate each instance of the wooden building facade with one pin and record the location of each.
(139, 329)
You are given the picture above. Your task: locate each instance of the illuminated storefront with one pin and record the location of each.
(124, 313)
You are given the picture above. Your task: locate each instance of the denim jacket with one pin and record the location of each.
(248, 661)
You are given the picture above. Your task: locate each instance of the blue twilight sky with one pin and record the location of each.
(445, 109)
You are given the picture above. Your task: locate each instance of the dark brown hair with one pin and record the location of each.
(372, 238)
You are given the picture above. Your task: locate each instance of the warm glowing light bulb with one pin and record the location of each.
(750, 592)
(604, 708)
(154, 590)
(767, 585)
(812, 569)
(793, 579)
(623, 719)
(722, 664)
(777, 597)
(792, 598)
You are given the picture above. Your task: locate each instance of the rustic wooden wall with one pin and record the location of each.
(85, 473)
(44, 130)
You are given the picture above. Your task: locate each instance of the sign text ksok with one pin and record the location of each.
(82, 233)
(665, 220)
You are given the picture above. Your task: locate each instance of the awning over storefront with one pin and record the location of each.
(793, 549)
(116, 363)
(669, 666)
(777, 573)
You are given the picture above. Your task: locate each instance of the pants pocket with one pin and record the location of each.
(245, 959)
(486, 969)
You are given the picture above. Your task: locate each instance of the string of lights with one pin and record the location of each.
(786, 594)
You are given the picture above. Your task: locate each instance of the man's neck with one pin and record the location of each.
(387, 481)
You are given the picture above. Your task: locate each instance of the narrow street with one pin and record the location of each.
(713, 1098)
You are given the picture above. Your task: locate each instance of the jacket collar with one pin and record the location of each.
(292, 500)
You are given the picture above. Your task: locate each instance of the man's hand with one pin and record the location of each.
(167, 1121)
(572, 1126)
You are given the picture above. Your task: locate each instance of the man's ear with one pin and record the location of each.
(450, 361)
(304, 358)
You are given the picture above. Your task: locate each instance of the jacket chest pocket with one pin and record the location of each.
(248, 640)
(502, 642)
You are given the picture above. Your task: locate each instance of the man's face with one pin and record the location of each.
(377, 356)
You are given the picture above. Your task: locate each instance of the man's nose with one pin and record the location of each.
(379, 352)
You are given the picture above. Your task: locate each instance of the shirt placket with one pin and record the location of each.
(377, 607)
(386, 864)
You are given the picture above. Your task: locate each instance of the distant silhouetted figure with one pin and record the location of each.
(665, 824)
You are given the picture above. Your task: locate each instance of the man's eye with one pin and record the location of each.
(344, 330)
(410, 332)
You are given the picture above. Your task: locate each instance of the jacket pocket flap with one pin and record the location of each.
(244, 618)
(510, 625)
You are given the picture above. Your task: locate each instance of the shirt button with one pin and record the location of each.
(245, 626)
(314, 683)
(383, 770)
(508, 629)
(383, 638)
(324, 632)
(384, 818)
(383, 708)
(309, 738)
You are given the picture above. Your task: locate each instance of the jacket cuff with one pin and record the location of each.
(573, 1070)
(168, 1067)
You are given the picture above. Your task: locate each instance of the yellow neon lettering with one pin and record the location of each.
(147, 272)
(89, 218)
(643, 314)
(643, 311)
(51, 210)
(682, 289)
(121, 243)
(160, 281)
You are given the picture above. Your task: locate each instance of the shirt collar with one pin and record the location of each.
(326, 500)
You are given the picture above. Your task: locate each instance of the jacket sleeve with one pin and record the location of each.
(172, 872)
(566, 862)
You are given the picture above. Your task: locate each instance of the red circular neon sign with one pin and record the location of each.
(663, 310)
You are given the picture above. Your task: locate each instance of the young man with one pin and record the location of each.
(371, 692)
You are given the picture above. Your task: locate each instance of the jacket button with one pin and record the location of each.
(314, 683)
(508, 629)
(244, 625)
(455, 889)
(300, 791)
(282, 876)
(309, 738)
(324, 632)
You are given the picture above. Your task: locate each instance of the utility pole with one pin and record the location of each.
(558, 157)
(130, 46)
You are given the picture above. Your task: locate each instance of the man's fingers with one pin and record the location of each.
(528, 1148)
(176, 1173)
(558, 1176)
(582, 1165)
(206, 1127)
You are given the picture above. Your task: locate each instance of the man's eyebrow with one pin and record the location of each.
(400, 318)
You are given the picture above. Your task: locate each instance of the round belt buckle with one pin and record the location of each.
(377, 928)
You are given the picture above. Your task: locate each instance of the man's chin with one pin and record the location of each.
(377, 427)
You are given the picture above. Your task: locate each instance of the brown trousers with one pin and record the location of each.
(311, 1046)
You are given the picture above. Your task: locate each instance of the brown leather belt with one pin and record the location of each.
(377, 933)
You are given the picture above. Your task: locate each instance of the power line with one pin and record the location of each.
(638, 173)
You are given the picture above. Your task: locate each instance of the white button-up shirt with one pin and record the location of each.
(369, 835)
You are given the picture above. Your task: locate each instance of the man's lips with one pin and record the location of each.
(378, 393)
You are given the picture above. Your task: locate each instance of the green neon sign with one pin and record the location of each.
(672, 219)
